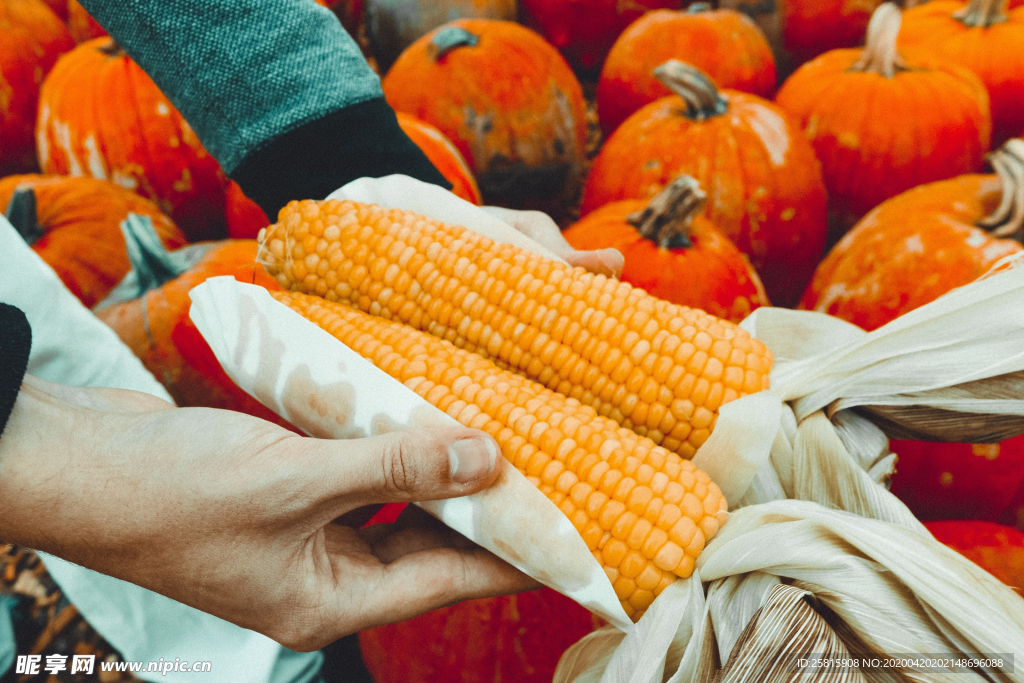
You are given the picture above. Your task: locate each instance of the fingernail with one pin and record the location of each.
(471, 459)
(612, 259)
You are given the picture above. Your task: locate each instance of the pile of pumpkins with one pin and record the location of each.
(815, 153)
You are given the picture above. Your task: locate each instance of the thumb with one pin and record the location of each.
(412, 465)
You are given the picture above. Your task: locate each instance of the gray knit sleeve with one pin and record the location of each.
(242, 72)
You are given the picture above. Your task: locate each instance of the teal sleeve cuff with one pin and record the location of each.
(242, 72)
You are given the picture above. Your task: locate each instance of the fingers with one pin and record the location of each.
(405, 466)
(540, 228)
(414, 531)
(607, 262)
(426, 580)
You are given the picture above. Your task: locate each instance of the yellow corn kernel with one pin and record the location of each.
(641, 537)
(623, 352)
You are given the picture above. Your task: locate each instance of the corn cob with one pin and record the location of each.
(644, 512)
(659, 369)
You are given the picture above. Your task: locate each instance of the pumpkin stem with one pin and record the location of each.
(450, 38)
(880, 55)
(698, 7)
(983, 13)
(693, 87)
(152, 264)
(112, 49)
(667, 219)
(21, 212)
(1008, 219)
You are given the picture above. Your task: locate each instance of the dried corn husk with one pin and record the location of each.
(802, 464)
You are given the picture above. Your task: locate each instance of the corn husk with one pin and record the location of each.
(803, 466)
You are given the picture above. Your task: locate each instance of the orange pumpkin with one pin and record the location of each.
(584, 30)
(74, 225)
(506, 99)
(997, 549)
(59, 7)
(724, 44)
(800, 30)
(881, 123)
(32, 37)
(763, 181)
(243, 216)
(150, 315)
(907, 252)
(393, 25)
(987, 38)
(516, 638)
(673, 252)
(443, 155)
(81, 24)
(100, 115)
(959, 480)
(917, 246)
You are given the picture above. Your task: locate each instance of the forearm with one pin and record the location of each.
(62, 445)
(252, 76)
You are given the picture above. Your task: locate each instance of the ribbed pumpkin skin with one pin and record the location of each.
(164, 338)
(514, 638)
(83, 241)
(584, 30)
(997, 549)
(443, 155)
(909, 251)
(32, 37)
(877, 137)
(764, 185)
(712, 275)
(510, 104)
(59, 7)
(800, 30)
(960, 480)
(244, 217)
(995, 54)
(81, 24)
(724, 44)
(100, 115)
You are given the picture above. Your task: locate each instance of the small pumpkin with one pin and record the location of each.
(959, 480)
(516, 638)
(673, 252)
(443, 155)
(74, 226)
(987, 38)
(393, 25)
(724, 44)
(584, 30)
(32, 37)
(883, 122)
(800, 30)
(508, 102)
(149, 312)
(917, 246)
(997, 549)
(764, 185)
(100, 115)
(81, 24)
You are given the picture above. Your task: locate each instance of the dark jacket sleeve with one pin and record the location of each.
(276, 90)
(15, 343)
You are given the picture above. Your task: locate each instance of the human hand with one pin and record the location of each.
(540, 228)
(242, 519)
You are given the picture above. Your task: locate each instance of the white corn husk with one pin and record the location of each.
(816, 548)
